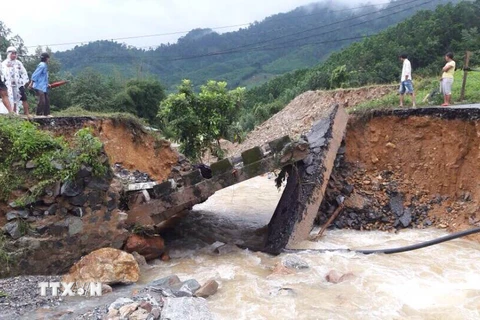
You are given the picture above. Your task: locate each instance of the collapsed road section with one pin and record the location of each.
(308, 161)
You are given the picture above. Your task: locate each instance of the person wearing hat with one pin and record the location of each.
(4, 93)
(40, 84)
(16, 78)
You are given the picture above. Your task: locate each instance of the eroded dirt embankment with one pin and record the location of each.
(125, 142)
(412, 168)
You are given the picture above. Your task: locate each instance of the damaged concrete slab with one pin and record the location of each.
(307, 180)
(170, 201)
(141, 186)
(307, 164)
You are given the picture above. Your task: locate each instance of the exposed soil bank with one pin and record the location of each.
(125, 141)
(409, 168)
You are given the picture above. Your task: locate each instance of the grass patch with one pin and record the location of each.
(118, 117)
(130, 121)
(24, 226)
(425, 86)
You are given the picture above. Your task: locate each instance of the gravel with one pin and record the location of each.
(21, 295)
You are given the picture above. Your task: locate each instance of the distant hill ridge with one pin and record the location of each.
(280, 43)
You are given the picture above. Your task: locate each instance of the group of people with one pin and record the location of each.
(14, 79)
(446, 81)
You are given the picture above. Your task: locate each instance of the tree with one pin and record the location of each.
(91, 91)
(339, 77)
(200, 120)
(140, 97)
(7, 40)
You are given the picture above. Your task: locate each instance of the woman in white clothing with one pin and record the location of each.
(16, 78)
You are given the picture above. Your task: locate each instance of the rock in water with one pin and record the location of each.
(334, 277)
(188, 287)
(149, 247)
(107, 265)
(186, 309)
(208, 289)
(166, 282)
(294, 262)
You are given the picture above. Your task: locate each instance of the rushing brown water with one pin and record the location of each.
(439, 282)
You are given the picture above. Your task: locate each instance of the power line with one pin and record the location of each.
(285, 45)
(261, 48)
(360, 23)
(215, 28)
(262, 43)
(324, 26)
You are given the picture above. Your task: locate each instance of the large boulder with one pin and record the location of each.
(149, 247)
(106, 265)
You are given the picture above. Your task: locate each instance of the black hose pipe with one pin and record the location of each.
(400, 249)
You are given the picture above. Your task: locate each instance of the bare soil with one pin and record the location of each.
(132, 147)
(137, 151)
(433, 162)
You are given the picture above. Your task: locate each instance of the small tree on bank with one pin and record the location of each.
(199, 121)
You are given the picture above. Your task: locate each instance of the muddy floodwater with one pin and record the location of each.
(439, 282)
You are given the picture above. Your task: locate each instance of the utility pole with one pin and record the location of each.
(465, 74)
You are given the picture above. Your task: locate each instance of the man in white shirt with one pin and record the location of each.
(406, 85)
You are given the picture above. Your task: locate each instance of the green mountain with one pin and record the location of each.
(425, 37)
(281, 43)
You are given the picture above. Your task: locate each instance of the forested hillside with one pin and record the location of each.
(278, 44)
(425, 37)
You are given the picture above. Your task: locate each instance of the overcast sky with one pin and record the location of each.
(59, 21)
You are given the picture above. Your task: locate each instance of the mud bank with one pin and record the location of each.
(408, 168)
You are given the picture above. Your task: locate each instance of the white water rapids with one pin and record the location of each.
(439, 282)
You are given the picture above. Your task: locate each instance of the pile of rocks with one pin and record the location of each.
(67, 221)
(374, 200)
(182, 167)
(166, 298)
(131, 176)
(68, 198)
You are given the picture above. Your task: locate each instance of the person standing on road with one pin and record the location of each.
(4, 92)
(40, 84)
(406, 84)
(16, 78)
(447, 79)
